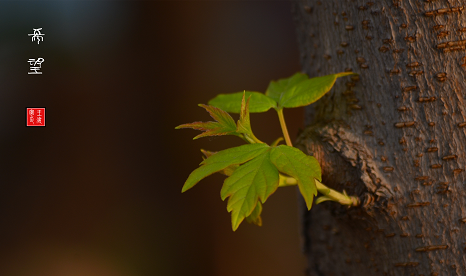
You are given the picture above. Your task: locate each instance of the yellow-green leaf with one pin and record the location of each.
(223, 159)
(224, 125)
(255, 216)
(232, 102)
(244, 123)
(228, 170)
(303, 168)
(309, 91)
(253, 181)
(277, 88)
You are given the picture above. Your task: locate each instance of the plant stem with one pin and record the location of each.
(326, 191)
(248, 139)
(254, 138)
(251, 139)
(281, 118)
(343, 199)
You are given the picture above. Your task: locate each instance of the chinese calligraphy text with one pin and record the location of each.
(37, 35)
(35, 116)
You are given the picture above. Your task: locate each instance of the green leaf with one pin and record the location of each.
(228, 170)
(244, 123)
(309, 91)
(223, 159)
(277, 88)
(303, 168)
(224, 125)
(207, 153)
(253, 181)
(255, 216)
(232, 102)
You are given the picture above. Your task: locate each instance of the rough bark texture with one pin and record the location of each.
(395, 135)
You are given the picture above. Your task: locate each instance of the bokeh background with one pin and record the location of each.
(97, 191)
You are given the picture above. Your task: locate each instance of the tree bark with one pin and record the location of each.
(394, 135)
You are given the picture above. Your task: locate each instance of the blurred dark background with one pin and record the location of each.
(97, 191)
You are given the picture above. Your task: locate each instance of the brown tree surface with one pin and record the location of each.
(394, 135)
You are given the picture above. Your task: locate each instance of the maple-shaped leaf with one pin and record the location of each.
(308, 91)
(276, 89)
(232, 102)
(223, 125)
(302, 167)
(222, 160)
(253, 181)
(228, 170)
(244, 123)
(255, 216)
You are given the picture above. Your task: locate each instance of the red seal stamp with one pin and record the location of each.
(35, 116)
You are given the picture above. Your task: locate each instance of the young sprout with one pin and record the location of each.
(255, 170)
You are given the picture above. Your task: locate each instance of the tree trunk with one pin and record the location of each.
(394, 135)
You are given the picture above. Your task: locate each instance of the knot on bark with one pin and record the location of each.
(346, 161)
